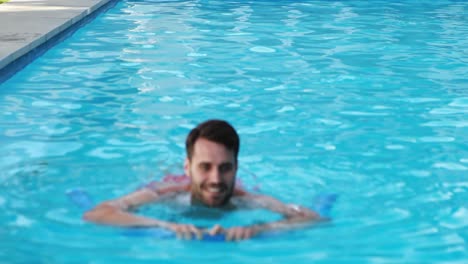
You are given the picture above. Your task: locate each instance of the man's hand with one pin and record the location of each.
(235, 233)
(187, 232)
(241, 233)
(215, 230)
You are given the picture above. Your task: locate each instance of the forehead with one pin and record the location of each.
(210, 151)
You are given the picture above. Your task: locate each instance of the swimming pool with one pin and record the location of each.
(367, 100)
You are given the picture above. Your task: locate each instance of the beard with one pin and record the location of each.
(211, 195)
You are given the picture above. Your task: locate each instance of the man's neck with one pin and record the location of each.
(227, 205)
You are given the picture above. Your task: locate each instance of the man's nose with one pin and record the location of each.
(215, 176)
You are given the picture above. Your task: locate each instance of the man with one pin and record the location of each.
(211, 165)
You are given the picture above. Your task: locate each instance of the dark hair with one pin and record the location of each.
(218, 131)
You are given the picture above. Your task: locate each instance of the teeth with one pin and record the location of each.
(214, 189)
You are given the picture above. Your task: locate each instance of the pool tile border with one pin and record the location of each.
(21, 45)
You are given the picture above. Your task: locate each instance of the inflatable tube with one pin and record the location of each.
(322, 204)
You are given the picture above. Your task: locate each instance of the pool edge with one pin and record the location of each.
(24, 54)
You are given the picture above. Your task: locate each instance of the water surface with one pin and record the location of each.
(365, 99)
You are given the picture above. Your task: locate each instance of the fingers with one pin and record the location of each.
(187, 232)
(240, 233)
(196, 232)
(217, 229)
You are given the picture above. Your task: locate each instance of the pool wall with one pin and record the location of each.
(29, 28)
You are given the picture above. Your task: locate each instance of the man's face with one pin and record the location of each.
(212, 171)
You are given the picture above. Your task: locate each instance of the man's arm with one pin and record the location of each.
(293, 216)
(116, 212)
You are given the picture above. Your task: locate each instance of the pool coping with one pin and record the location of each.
(33, 26)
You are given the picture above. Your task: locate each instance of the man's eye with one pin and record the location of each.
(226, 167)
(205, 167)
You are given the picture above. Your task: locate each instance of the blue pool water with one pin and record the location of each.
(365, 99)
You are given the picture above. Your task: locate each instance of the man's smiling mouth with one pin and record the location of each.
(215, 189)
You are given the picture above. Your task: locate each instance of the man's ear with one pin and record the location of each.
(187, 167)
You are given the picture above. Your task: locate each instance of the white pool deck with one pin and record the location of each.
(26, 24)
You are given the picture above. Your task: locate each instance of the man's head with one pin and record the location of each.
(212, 148)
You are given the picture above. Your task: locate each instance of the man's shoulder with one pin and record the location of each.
(163, 188)
(239, 192)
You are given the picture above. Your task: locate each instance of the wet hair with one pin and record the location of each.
(218, 131)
